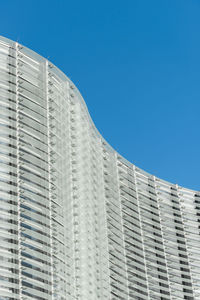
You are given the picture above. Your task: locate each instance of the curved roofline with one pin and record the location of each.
(64, 77)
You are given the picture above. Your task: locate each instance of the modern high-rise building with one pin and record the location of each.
(78, 221)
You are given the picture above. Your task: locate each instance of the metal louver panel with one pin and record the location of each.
(77, 220)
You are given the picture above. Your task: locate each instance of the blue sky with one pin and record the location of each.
(137, 65)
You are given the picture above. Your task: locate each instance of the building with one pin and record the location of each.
(78, 221)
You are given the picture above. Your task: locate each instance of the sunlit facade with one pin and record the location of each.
(78, 221)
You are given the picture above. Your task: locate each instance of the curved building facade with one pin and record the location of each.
(78, 221)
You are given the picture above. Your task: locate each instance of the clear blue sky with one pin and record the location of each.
(137, 65)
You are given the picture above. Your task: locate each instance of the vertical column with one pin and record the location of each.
(50, 171)
(33, 179)
(105, 292)
(153, 241)
(165, 286)
(133, 246)
(139, 205)
(56, 161)
(183, 247)
(9, 248)
(18, 173)
(193, 240)
(176, 250)
(124, 230)
(118, 267)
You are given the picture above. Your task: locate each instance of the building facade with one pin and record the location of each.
(78, 221)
